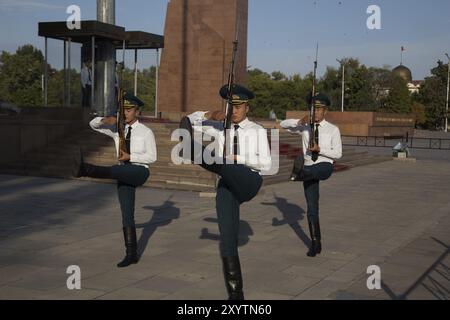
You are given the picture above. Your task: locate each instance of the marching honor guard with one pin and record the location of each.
(132, 170)
(317, 162)
(247, 156)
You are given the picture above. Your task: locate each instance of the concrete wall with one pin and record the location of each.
(37, 128)
(366, 123)
(70, 114)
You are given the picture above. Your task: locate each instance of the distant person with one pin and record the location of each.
(86, 83)
(272, 115)
(118, 71)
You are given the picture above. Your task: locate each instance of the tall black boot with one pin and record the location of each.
(83, 169)
(233, 277)
(78, 164)
(129, 234)
(96, 172)
(314, 231)
(298, 168)
(298, 171)
(214, 168)
(185, 124)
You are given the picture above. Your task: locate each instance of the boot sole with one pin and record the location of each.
(127, 265)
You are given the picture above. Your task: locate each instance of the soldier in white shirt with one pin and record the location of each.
(247, 157)
(132, 170)
(317, 162)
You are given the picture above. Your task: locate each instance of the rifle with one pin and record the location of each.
(299, 161)
(312, 114)
(121, 117)
(229, 107)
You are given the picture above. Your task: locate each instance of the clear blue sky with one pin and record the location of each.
(282, 34)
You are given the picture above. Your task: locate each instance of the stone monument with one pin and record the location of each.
(199, 37)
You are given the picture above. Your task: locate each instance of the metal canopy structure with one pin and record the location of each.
(93, 31)
(101, 31)
(143, 40)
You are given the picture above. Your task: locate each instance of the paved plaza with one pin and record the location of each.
(393, 215)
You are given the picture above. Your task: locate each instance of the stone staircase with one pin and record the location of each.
(57, 160)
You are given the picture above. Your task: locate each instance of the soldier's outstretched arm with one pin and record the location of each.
(204, 121)
(105, 126)
(295, 126)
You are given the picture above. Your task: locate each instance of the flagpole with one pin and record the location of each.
(448, 92)
(401, 56)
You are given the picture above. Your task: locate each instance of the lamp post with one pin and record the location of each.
(343, 81)
(448, 91)
(105, 68)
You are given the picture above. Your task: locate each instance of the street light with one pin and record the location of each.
(448, 91)
(343, 81)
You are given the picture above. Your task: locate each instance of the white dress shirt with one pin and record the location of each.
(142, 146)
(254, 150)
(330, 142)
(86, 77)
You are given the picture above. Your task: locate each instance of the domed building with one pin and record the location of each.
(406, 74)
(403, 72)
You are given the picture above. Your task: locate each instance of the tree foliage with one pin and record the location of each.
(366, 88)
(21, 76)
(146, 85)
(433, 95)
(399, 99)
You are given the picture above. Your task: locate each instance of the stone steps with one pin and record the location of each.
(56, 160)
(165, 179)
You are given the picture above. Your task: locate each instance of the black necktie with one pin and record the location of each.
(128, 140)
(236, 141)
(315, 155)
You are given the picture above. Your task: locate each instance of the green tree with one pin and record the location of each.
(359, 93)
(146, 85)
(278, 76)
(399, 98)
(262, 85)
(21, 76)
(380, 85)
(433, 94)
(420, 115)
(56, 88)
(364, 87)
(277, 92)
(331, 84)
